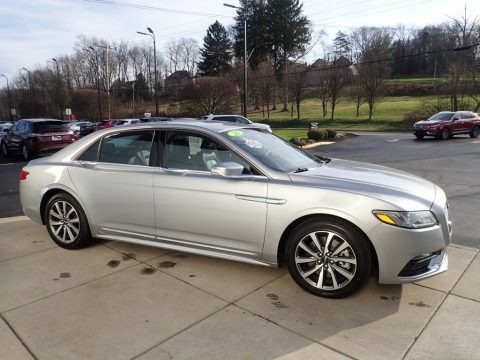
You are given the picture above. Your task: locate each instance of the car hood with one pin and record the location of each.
(429, 122)
(401, 189)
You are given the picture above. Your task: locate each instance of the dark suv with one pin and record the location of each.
(34, 137)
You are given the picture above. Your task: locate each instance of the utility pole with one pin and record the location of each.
(245, 59)
(155, 86)
(107, 48)
(59, 95)
(9, 98)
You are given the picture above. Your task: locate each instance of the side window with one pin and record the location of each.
(132, 148)
(22, 126)
(241, 120)
(91, 153)
(189, 151)
(467, 116)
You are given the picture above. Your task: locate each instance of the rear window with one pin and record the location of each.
(49, 126)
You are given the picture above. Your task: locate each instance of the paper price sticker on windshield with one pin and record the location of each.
(234, 133)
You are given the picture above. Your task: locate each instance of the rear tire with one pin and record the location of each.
(475, 133)
(328, 257)
(66, 222)
(26, 153)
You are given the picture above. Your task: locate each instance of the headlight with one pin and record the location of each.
(407, 219)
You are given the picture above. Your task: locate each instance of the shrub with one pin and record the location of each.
(317, 134)
(331, 133)
(295, 141)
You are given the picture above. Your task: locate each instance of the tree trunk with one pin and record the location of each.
(285, 88)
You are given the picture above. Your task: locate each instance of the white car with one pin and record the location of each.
(236, 119)
(5, 126)
(124, 122)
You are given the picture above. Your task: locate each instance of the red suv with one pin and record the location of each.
(445, 124)
(34, 137)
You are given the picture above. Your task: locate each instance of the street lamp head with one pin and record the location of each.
(142, 33)
(91, 48)
(3, 75)
(24, 69)
(230, 6)
(55, 60)
(150, 30)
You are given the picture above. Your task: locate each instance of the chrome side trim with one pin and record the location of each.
(261, 199)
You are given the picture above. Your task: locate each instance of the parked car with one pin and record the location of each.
(104, 124)
(446, 124)
(4, 126)
(241, 193)
(35, 137)
(154, 119)
(237, 119)
(121, 122)
(81, 128)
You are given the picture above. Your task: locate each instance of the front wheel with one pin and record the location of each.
(419, 137)
(4, 149)
(445, 134)
(66, 222)
(328, 257)
(475, 133)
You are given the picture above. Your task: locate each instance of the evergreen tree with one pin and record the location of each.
(216, 53)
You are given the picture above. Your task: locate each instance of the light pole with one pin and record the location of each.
(30, 85)
(152, 34)
(89, 49)
(245, 59)
(107, 48)
(60, 105)
(9, 98)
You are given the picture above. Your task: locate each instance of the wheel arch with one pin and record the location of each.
(286, 233)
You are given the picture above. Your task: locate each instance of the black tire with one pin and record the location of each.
(4, 149)
(26, 152)
(445, 134)
(337, 274)
(475, 133)
(419, 137)
(66, 222)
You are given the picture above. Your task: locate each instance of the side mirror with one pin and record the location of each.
(227, 169)
(455, 119)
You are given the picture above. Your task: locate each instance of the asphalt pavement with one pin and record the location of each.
(115, 300)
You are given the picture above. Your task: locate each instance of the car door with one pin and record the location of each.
(194, 208)
(114, 180)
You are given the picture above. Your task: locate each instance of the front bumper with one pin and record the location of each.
(425, 132)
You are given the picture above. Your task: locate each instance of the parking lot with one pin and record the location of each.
(122, 301)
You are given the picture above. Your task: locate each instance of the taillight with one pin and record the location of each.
(23, 175)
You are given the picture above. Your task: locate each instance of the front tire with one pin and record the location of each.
(4, 149)
(66, 222)
(419, 137)
(328, 257)
(445, 134)
(475, 133)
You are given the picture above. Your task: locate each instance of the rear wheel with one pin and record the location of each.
(26, 152)
(445, 134)
(328, 257)
(66, 222)
(475, 133)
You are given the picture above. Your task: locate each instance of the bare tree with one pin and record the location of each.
(208, 95)
(372, 49)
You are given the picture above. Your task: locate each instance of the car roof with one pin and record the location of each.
(42, 120)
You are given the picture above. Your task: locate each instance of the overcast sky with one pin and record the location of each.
(34, 31)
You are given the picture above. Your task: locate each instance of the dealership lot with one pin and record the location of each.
(119, 301)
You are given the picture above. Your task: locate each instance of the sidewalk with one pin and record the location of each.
(120, 301)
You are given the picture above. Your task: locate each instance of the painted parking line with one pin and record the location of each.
(8, 220)
(6, 164)
(393, 140)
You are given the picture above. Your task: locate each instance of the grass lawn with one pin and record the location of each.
(388, 114)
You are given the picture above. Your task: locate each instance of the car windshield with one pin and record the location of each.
(271, 150)
(442, 116)
(49, 126)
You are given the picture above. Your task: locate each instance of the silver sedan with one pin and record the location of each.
(241, 193)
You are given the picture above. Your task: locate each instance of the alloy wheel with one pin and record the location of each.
(325, 260)
(64, 221)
